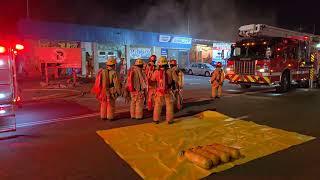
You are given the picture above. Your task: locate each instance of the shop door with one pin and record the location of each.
(182, 59)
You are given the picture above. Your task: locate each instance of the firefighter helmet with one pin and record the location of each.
(153, 58)
(219, 64)
(173, 62)
(138, 62)
(111, 61)
(162, 61)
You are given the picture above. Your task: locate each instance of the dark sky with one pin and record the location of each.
(211, 19)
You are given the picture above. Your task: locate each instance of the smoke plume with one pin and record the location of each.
(208, 19)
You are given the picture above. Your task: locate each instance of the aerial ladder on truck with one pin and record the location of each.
(309, 63)
(9, 93)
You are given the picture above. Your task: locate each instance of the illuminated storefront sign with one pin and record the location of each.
(143, 53)
(175, 39)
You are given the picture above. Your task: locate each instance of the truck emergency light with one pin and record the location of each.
(2, 95)
(1, 62)
(2, 111)
(19, 47)
(2, 49)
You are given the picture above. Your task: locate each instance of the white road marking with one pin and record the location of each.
(34, 123)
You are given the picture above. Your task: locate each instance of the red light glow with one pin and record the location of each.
(278, 49)
(19, 47)
(2, 49)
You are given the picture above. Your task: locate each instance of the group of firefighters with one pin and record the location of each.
(154, 84)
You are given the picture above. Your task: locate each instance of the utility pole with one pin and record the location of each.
(314, 29)
(28, 13)
(188, 16)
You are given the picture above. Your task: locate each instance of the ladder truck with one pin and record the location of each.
(272, 56)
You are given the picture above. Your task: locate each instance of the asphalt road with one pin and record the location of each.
(58, 140)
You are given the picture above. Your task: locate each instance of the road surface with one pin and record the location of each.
(58, 140)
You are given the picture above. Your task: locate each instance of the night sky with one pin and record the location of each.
(210, 19)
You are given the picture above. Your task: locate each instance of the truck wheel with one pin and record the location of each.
(285, 83)
(207, 74)
(190, 72)
(245, 86)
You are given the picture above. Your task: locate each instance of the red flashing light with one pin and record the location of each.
(230, 63)
(306, 38)
(19, 47)
(18, 99)
(278, 49)
(2, 49)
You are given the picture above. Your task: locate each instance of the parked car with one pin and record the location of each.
(203, 69)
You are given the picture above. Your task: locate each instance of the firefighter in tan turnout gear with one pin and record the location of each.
(217, 79)
(107, 89)
(163, 95)
(150, 69)
(177, 83)
(137, 86)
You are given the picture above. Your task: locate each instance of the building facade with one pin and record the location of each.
(69, 45)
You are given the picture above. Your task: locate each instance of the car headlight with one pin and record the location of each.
(262, 70)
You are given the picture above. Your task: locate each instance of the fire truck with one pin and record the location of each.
(9, 93)
(271, 56)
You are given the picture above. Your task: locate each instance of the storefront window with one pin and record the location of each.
(109, 50)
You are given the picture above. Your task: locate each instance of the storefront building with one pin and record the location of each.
(71, 44)
(209, 51)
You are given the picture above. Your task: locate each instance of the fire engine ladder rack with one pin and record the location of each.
(271, 31)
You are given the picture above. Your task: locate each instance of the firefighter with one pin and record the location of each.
(137, 85)
(89, 65)
(110, 89)
(217, 79)
(163, 80)
(177, 83)
(150, 69)
(123, 69)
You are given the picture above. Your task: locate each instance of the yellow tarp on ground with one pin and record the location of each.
(152, 150)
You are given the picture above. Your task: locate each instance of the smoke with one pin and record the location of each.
(163, 16)
(208, 19)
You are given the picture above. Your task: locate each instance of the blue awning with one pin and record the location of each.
(30, 29)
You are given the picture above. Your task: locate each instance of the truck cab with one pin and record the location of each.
(275, 57)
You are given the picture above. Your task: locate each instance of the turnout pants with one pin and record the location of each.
(178, 100)
(150, 99)
(160, 100)
(216, 91)
(107, 109)
(137, 104)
